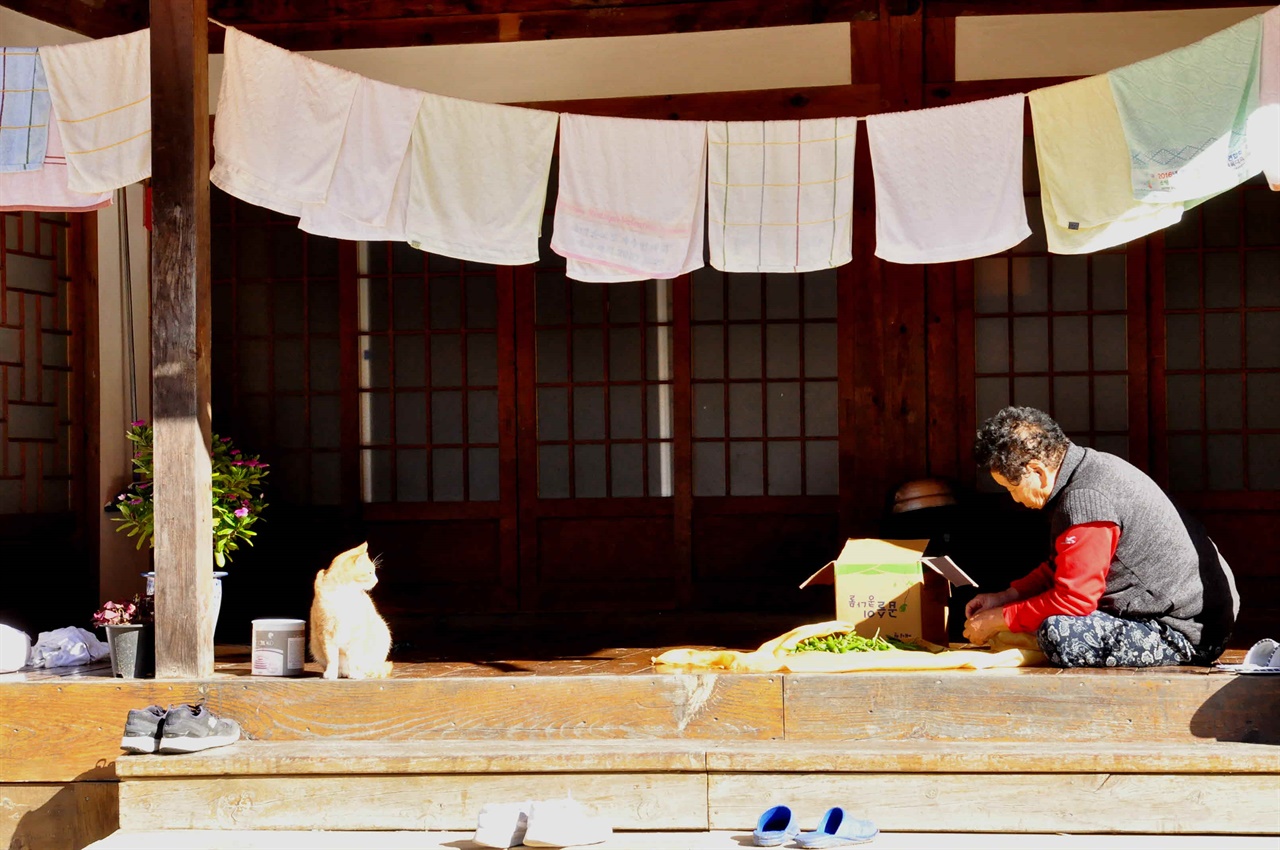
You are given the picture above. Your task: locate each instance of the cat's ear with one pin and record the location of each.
(363, 547)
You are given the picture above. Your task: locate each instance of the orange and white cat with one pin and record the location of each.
(347, 635)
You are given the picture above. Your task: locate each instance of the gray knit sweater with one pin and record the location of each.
(1165, 568)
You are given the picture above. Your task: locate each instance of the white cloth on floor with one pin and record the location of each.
(780, 194)
(46, 190)
(632, 199)
(1185, 115)
(478, 181)
(949, 181)
(24, 109)
(502, 824)
(374, 150)
(1083, 159)
(67, 647)
(101, 94)
(15, 649)
(1264, 123)
(280, 124)
(564, 823)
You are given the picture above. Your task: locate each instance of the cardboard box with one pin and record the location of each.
(890, 587)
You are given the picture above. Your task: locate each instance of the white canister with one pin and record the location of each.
(279, 647)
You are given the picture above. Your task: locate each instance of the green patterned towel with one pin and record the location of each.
(1185, 113)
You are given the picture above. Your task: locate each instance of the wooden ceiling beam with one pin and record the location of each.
(87, 17)
(964, 8)
(373, 25)
(761, 105)
(246, 12)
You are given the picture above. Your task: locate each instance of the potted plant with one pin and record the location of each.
(130, 636)
(237, 493)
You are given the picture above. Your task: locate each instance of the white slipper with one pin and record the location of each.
(502, 824)
(564, 823)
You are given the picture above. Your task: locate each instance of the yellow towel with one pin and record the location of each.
(775, 656)
(1084, 171)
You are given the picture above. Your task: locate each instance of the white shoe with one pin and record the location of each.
(502, 824)
(564, 823)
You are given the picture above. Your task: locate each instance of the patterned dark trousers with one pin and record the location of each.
(1101, 640)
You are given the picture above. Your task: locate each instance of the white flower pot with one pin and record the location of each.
(215, 605)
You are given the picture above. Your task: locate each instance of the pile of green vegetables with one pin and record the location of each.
(851, 643)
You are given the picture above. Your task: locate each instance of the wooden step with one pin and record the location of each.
(64, 730)
(717, 840)
(680, 785)
(310, 758)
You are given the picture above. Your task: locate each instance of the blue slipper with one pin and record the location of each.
(776, 826)
(837, 829)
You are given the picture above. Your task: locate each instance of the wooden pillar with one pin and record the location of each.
(180, 328)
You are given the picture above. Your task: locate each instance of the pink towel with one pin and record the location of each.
(632, 202)
(46, 190)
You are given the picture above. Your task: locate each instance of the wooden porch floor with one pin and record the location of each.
(459, 663)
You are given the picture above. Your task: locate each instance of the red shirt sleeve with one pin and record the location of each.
(1081, 562)
(1037, 581)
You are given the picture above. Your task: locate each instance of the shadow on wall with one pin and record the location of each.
(1243, 709)
(992, 538)
(48, 581)
(52, 817)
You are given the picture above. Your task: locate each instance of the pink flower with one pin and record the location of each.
(137, 423)
(135, 501)
(225, 440)
(237, 463)
(120, 497)
(242, 512)
(235, 451)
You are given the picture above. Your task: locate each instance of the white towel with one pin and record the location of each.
(780, 194)
(949, 181)
(1085, 190)
(632, 198)
(323, 220)
(280, 122)
(101, 93)
(478, 180)
(1264, 124)
(24, 110)
(1185, 115)
(46, 190)
(374, 151)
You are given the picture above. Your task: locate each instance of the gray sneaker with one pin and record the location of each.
(191, 728)
(142, 729)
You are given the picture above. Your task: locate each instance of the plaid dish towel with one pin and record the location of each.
(24, 109)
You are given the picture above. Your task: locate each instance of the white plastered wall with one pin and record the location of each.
(999, 47)
(994, 47)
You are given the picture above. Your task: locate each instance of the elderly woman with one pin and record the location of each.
(1130, 582)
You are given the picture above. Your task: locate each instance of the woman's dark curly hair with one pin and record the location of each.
(1014, 437)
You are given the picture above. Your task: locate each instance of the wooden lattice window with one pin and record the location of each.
(1221, 325)
(36, 363)
(1051, 332)
(603, 385)
(765, 410)
(276, 346)
(429, 406)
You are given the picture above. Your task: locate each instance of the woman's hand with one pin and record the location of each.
(987, 601)
(979, 628)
